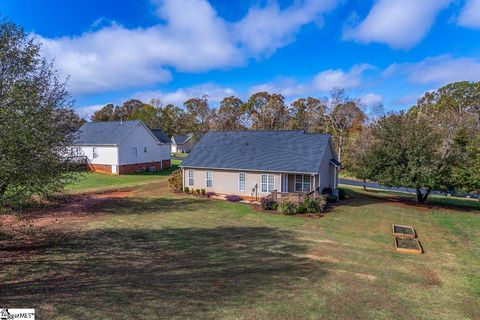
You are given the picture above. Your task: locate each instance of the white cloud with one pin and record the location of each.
(439, 70)
(214, 92)
(87, 111)
(371, 99)
(401, 24)
(470, 15)
(323, 82)
(191, 38)
(264, 30)
(337, 78)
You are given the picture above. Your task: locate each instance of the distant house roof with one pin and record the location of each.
(109, 132)
(181, 139)
(161, 136)
(272, 151)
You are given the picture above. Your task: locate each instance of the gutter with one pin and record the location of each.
(243, 169)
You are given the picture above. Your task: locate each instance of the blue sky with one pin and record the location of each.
(388, 51)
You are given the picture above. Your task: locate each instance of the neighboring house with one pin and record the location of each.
(182, 143)
(252, 164)
(121, 147)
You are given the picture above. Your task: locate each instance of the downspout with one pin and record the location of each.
(161, 158)
(118, 159)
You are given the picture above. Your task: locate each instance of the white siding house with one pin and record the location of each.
(121, 147)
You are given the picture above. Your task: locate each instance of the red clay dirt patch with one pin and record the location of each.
(74, 209)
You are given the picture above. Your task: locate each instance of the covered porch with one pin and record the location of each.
(296, 187)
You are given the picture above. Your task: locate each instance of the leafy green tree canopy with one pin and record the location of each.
(35, 120)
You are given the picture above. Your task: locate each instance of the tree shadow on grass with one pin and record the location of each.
(150, 205)
(164, 273)
(373, 196)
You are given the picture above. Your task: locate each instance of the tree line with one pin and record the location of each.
(338, 114)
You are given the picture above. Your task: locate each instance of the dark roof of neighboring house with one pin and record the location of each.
(161, 136)
(272, 151)
(106, 133)
(181, 139)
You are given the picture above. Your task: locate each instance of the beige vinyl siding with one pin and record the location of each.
(226, 182)
(326, 171)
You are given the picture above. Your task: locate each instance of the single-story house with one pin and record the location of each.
(182, 143)
(253, 164)
(121, 147)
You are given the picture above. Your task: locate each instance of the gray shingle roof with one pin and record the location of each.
(181, 139)
(274, 151)
(161, 136)
(108, 132)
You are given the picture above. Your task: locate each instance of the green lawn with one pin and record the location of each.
(160, 255)
(180, 154)
(433, 200)
(95, 181)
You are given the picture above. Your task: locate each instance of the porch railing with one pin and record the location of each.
(296, 197)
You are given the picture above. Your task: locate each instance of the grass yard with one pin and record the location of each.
(151, 254)
(96, 181)
(180, 154)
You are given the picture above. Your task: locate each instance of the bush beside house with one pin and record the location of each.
(307, 206)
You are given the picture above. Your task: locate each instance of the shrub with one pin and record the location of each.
(210, 194)
(268, 204)
(202, 191)
(287, 208)
(341, 194)
(175, 181)
(301, 208)
(311, 206)
(197, 191)
(233, 198)
(331, 198)
(186, 190)
(322, 203)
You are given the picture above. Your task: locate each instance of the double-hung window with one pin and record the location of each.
(145, 149)
(209, 179)
(191, 178)
(95, 152)
(242, 181)
(268, 182)
(302, 183)
(135, 152)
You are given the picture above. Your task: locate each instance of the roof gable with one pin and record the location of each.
(278, 151)
(181, 139)
(108, 132)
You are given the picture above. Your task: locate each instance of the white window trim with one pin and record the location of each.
(145, 149)
(244, 181)
(191, 180)
(303, 183)
(94, 153)
(268, 190)
(135, 152)
(206, 179)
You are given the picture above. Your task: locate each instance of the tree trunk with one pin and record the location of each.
(3, 189)
(365, 184)
(422, 198)
(340, 142)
